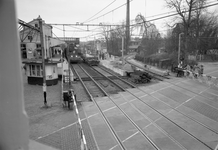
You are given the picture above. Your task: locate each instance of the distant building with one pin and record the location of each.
(134, 44)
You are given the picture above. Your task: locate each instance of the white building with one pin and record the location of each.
(30, 40)
(32, 53)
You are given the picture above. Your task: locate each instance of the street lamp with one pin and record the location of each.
(179, 50)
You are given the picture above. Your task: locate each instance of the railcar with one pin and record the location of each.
(73, 53)
(91, 60)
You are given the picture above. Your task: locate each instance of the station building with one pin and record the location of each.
(31, 53)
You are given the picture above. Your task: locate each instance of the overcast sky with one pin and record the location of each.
(72, 11)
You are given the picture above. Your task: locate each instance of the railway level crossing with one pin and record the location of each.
(173, 114)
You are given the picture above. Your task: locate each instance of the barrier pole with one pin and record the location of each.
(81, 132)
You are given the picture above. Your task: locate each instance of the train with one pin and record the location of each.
(73, 53)
(91, 60)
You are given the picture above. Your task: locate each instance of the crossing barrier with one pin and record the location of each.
(81, 132)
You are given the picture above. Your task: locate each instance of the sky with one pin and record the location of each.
(73, 11)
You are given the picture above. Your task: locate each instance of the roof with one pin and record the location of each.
(38, 61)
(133, 46)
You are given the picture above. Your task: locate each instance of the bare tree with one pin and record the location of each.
(150, 36)
(189, 12)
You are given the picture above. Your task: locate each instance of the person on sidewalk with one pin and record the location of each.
(180, 71)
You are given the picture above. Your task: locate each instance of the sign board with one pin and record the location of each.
(30, 48)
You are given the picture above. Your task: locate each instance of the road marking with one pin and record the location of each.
(113, 147)
(130, 136)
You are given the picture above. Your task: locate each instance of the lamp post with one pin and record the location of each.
(179, 49)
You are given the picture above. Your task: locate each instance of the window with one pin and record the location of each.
(23, 46)
(30, 37)
(23, 50)
(30, 66)
(33, 70)
(36, 25)
(41, 70)
(38, 70)
(38, 45)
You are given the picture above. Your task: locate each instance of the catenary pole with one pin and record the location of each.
(127, 26)
(43, 60)
(179, 47)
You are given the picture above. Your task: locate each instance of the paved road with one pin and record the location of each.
(211, 68)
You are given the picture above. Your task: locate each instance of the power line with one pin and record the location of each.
(109, 12)
(169, 12)
(174, 14)
(121, 26)
(99, 11)
(159, 18)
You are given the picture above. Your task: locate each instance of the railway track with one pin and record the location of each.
(172, 122)
(110, 125)
(88, 84)
(90, 76)
(162, 123)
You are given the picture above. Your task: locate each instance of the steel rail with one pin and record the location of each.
(113, 81)
(131, 121)
(193, 119)
(151, 121)
(170, 119)
(101, 112)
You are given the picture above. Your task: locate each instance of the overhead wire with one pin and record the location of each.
(167, 16)
(100, 11)
(109, 11)
(174, 14)
(170, 12)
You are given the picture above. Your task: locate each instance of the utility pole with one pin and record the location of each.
(68, 56)
(122, 50)
(127, 26)
(179, 47)
(43, 60)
